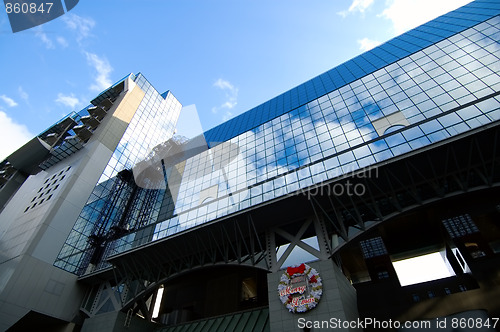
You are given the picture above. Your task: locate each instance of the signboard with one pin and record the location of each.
(300, 288)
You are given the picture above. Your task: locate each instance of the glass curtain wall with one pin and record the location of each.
(103, 217)
(443, 90)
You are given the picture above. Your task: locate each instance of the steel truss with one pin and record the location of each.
(418, 178)
(143, 271)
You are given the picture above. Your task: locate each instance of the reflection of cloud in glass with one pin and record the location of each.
(326, 138)
(270, 150)
(310, 136)
(131, 149)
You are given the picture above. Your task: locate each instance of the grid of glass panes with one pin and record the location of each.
(460, 226)
(373, 247)
(153, 122)
(349, 71)
(443, 90)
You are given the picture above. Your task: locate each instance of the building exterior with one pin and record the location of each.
(309, 203)
(55, 174)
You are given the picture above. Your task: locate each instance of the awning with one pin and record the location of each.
(255, 320)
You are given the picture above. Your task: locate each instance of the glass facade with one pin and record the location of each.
(443, 90)
(153, 122)
(438, 81)
(356, 68)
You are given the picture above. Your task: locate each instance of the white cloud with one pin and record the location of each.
(231, 94)
(103, 69)
(23, 94)
(82, 25)
(357, 6)
(366, 44)
(223, 84)
(46, 40)
(70, 101)
(12, 135)
(408, 14)
(9, 101)
(229, 104)
(62, 41)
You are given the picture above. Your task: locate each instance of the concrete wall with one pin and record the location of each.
(30, 239)
(36, 285)
(338, 300)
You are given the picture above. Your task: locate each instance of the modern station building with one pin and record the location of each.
(307, 212)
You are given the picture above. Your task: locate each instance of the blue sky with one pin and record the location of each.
(223, 56)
